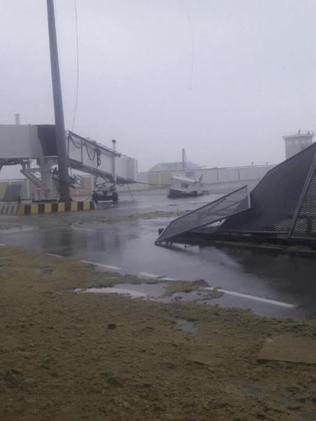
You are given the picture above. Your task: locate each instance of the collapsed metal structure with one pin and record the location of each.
(281, 208)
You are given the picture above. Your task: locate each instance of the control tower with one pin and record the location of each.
(295, 143)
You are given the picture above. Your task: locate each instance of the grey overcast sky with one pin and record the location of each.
(223, 78)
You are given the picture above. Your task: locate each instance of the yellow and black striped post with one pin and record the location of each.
(14, 208)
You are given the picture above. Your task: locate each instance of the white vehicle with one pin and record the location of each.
(185, 186)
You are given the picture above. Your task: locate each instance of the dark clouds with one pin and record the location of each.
(222, 78)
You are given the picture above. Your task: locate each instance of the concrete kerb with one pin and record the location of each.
(40, 208)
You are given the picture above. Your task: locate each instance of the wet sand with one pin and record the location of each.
(68, 356)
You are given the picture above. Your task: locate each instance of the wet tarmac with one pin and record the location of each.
(269, 284)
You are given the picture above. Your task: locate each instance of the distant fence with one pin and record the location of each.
(14, 190)
(210, 175)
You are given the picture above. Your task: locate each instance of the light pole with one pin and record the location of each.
(113, 162)
(64, 190)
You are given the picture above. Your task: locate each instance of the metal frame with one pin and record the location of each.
(162, 237)
(303, 195)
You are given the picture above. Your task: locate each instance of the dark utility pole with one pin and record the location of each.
(113, 162)
(183, 160)
(64, 190)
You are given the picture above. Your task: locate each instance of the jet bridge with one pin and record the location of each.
(94, 158)
(28, 144)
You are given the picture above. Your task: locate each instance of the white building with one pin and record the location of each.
(295, 143)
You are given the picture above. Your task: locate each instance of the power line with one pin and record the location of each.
(77, 67)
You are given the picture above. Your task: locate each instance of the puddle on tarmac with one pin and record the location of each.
(110, 290)
(150, 291)
(147, 291)
(13, 228)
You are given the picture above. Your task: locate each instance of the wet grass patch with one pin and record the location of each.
(174, 287)
(98, 357)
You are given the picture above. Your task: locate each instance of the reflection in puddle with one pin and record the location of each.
(11, 228)
(157, 291)
(122, 291)
(185, 326)
(147, 291)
